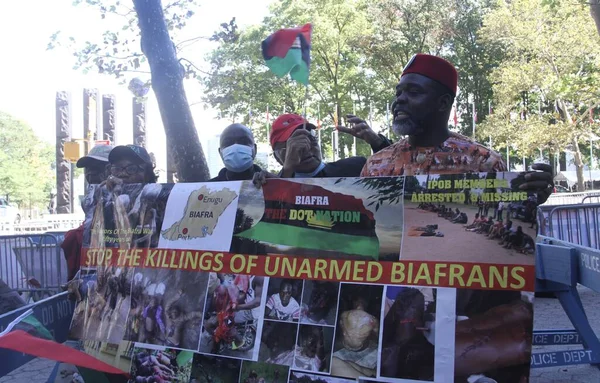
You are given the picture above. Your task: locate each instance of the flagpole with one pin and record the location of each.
(268, 122)
(354, 141)
(319, 126)
(490, 113)
(305, 105)
(387, 119)
(474, 117)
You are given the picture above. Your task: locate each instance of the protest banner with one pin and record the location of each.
(393, 279)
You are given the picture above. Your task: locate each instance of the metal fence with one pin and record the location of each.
(578, 224)
(33, 263)
(592, 198)
(559, 199)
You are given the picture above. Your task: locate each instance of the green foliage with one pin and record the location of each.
(358, 53)
(119, 51)
(548, 78)
(26, 164)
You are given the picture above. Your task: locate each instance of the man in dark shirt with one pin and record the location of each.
(238, 151)
(298, 151)
(95, 170)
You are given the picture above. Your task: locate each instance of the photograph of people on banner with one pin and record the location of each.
(125, 215)
(169, 308)
(319, 302)
(448, 211)
(233, 315)
(103, 310)
(160, 364)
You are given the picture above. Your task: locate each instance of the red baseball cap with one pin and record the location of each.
(285, 125)
(436, 68)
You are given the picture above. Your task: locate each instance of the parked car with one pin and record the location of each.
(9, 212)
(561, 189)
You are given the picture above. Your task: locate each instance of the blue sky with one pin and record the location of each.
(30, 75)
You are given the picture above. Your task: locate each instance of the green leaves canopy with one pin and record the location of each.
(26, 164)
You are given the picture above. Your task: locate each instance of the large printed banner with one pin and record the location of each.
(400, 279)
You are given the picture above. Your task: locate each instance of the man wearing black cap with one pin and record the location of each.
(94, 164)
(95, 172)
(131, 164)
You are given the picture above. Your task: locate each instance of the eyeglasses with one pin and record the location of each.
(129, 169)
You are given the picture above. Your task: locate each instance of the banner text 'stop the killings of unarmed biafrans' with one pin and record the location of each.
(418, 273)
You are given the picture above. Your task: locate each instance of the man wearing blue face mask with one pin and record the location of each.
(237, 150)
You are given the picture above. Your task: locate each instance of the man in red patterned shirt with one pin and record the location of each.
(424, 98)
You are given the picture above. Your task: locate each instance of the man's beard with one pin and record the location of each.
(407, 127)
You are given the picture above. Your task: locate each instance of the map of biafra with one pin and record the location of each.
(201, 214)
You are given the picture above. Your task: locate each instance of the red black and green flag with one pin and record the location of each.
(311, 217)
(28, 335)
(288, 51)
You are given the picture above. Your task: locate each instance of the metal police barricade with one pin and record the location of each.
(592, 198)
(568, 254)
(33, 264)
(55, 313)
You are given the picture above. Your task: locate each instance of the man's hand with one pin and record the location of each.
(260, 178)
(540, 182)
(297, 147)
(360, 129)
(112, 183)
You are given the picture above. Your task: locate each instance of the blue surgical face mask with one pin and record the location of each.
(237, 158)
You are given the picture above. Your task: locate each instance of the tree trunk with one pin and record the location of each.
(564, 111)
(578, 165)
(595, 12)
(167, 83)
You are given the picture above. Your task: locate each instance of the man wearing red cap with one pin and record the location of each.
(298, 151)
(424, 98)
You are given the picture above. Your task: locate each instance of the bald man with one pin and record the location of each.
(238, 151)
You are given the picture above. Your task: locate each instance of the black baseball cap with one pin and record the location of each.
(129, 151)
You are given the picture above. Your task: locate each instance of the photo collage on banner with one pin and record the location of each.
(399, 279)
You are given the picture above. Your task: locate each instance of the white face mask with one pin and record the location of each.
(237, 158)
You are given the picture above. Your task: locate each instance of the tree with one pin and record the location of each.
(26, 173)
(146, 35)
(543, 90)
(240, 84)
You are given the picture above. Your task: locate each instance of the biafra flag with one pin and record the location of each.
(312, 217)
(288, 51)
(28, 335)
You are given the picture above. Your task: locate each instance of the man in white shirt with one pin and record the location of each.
(282, 305)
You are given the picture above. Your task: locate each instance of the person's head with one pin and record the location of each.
(252, 377)
(424, 96)
(476, 215)
(132, 164)
(94, 164)
(282, 130)
(519, 229)
(237, 148)
(174, 312)
(359, 303)
(285, 292)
